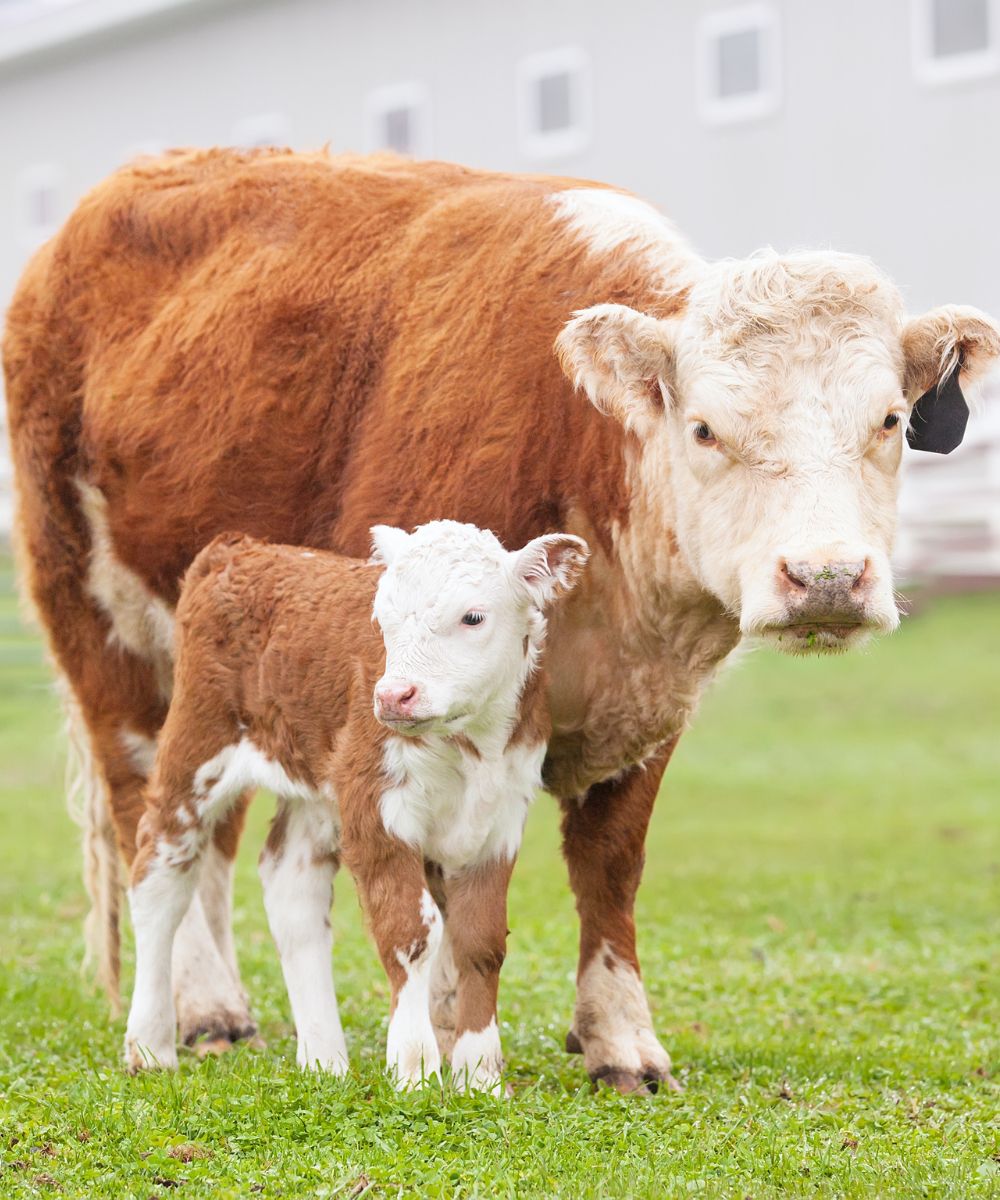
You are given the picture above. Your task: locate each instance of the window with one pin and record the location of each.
(739, 64)
(553, 103)
(264, 129)
(955, 39)
(398, 118)
(39, 189)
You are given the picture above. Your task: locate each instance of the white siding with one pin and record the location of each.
(860, 153)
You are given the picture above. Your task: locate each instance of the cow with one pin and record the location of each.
(424, 792)
(300, 346)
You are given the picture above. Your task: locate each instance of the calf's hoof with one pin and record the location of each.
(214, 1035)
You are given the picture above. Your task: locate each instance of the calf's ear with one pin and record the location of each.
(943, 349)
(387, 542)
(550, 566)
(622, 359)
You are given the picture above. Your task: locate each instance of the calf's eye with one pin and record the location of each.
(891, 421)
(473, 618)
(703, 435)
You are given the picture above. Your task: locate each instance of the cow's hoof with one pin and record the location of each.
(634, 1083)
(217, 1035)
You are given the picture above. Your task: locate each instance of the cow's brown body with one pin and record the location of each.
(299, 348)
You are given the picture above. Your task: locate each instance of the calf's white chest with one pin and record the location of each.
(456, 808)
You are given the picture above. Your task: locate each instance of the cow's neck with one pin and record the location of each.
(632, 652)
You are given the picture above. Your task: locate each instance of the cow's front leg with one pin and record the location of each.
(476, 924)
(406, 924)
(604, 835)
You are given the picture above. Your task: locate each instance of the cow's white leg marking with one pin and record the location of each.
(612, 1020)
(412, 1053)
(141, 621)
(477, 1059)
(215, 887)
(206, 990)
(158, 903)
(444, 993)
(298, 891)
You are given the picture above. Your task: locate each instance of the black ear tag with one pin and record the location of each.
(939, 417)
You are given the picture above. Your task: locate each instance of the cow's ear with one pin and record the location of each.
(944, 349)
(387, 542)
(622, 359)
(550, 566)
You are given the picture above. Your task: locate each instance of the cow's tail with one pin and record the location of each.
(87, 800)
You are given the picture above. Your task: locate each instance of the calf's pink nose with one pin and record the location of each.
(396, 699)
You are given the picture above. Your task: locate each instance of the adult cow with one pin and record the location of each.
(300, 347)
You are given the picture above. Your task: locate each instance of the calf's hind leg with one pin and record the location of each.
(297, 866)
(164, 876)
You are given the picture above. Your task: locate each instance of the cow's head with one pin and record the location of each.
(462, 620)
(771, 416)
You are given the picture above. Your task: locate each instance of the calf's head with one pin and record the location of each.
(769, 417)
(462, 620)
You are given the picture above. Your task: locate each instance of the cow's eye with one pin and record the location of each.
(703, 435)
(474, 618)
(891, 421)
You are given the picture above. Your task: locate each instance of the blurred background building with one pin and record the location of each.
(866, 125)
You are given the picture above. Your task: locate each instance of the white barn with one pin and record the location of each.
(858, 125)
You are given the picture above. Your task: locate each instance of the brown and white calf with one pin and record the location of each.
(423, 794)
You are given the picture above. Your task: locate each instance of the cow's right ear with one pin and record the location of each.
(622, 359)
(387, 542)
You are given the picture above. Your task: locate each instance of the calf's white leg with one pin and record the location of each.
(297, 867)
(160, 894)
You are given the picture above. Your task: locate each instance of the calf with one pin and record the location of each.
(424, 795)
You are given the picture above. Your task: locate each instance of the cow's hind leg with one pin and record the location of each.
(603, 839)
(111, 639)
(297, 867)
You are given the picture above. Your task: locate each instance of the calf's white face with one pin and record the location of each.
(771, 416)
(462, 620)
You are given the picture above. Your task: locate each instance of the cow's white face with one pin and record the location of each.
(462, 620)
(771, 416)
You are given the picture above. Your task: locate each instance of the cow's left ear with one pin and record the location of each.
(550, 566)
(943, 349)
(619, 357)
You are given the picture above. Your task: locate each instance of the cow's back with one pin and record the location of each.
(298, 347)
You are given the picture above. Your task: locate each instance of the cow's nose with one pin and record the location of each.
(824, 577)
(396, 699)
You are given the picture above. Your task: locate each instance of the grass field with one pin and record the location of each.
(819, 931)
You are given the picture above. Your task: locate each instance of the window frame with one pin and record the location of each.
(575, 138)
(749, 106)
(412, 95)
(938, 71)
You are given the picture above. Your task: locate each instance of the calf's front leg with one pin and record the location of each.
(406, 925)
(476, 922)
(604, 835)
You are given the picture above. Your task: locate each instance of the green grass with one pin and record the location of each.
(819, 932)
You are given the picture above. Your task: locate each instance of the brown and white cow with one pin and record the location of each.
(301, 347)
(423, 794)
